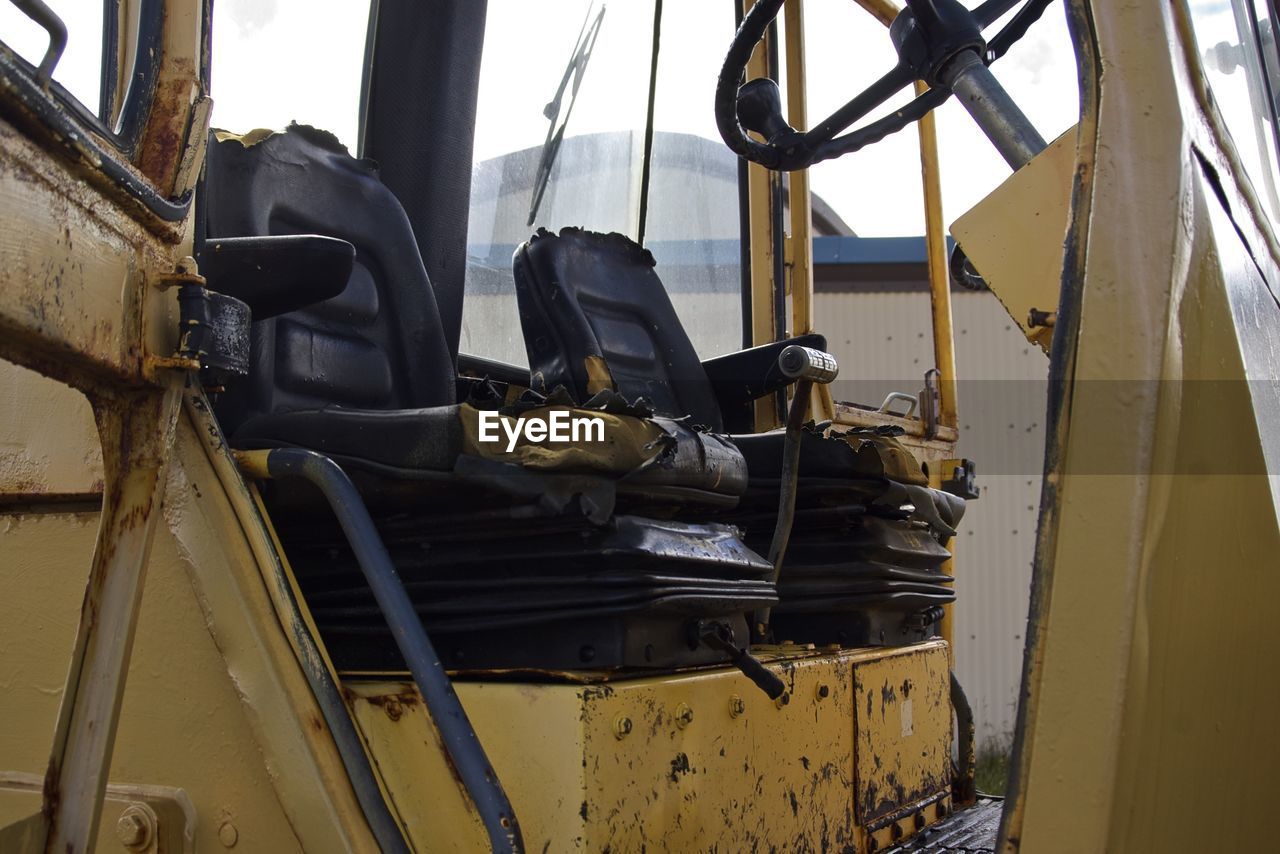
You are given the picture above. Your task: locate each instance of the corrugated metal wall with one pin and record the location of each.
(883, 342)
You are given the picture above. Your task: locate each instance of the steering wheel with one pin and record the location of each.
(935, 39)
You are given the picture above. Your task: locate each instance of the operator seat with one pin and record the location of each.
(597, 317)
(550, 556)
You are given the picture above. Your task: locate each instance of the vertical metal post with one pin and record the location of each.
(760, 204)
(935, 235)
(136, 430)
(800, 240)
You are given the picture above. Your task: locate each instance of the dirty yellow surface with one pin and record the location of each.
(685, 762)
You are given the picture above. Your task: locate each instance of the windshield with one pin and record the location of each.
(561, 139)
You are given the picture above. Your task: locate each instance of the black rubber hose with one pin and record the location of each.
(463, 749)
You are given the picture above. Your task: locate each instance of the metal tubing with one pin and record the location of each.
(464, 750)
(39, 12)
(386, 830)
(1008, 128)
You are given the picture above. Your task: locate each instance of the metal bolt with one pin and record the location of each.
(824, 691)
(393, 709)
(136, 827)
(783, 700)
(228, 835)
(621, 726)
(684, 715)
(736, 706)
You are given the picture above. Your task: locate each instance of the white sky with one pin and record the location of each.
(278, 60)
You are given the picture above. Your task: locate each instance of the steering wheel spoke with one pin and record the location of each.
(993, 10)
(899, 78)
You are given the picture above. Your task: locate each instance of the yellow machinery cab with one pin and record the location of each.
(470, 474)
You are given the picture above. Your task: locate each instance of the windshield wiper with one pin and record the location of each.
(555, 131)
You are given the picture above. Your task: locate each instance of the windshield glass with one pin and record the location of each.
(560, 140)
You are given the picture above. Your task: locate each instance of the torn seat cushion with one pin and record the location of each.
(596, 316)
(651, 451)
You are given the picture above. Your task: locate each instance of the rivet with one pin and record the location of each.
(684, 715)
(736, 706)
(621, 726)
(136, 827)
(228, 835)
(823, 691)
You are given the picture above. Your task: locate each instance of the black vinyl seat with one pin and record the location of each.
(364, 376)
(597, 317)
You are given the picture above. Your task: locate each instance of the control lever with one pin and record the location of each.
(719, 636)
(806, 366)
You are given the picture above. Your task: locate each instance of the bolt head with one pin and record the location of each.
(684, 715)
(621, 726)
(132, 830)
(823, 691)
(736, 706)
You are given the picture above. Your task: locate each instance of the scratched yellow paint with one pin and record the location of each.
(678, 762)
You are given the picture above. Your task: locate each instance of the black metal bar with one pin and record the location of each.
(646, 162)
(456, 733)
(744, 224)
(386, 830)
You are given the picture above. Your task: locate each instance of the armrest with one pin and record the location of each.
(741, 377)
(277, 274)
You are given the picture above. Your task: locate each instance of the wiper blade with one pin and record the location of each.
(572, 77)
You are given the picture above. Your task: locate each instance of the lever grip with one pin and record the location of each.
(760, 108)
(806, 363)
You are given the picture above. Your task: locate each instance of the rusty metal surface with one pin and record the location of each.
(136, 432)
(690, 761)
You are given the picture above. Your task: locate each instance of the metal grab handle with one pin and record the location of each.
(903, 396)
(37, 11)
(464, 750)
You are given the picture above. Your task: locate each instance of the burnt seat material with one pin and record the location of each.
(596, 316)
(365, 377)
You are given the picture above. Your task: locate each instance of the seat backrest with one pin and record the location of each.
(377, 345)
(596, 316)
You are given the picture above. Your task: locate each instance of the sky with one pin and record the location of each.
(310, 51)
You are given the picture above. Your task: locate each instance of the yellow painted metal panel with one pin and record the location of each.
(680, 762)
(902, 709)
(1014, 236)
